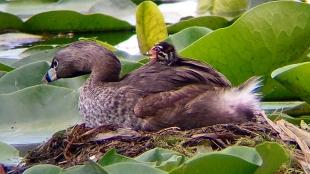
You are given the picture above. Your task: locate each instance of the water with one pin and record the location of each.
(13, 44)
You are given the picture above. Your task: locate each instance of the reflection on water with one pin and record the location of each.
(10, 54)
(13, 44)
(130, 46)
(112, 38)
(13, 40)
(172, 12)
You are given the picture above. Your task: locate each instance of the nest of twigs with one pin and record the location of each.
(79, 144)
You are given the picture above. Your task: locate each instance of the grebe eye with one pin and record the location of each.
(54, 63)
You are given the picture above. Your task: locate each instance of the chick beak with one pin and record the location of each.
(147, 53)
(152, 54)
(50, 76)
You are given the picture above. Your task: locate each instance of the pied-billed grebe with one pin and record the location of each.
(168, 91)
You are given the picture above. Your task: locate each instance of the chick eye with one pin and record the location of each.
(157, 49)
(54, 63)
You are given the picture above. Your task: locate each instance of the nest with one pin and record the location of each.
(79, 144)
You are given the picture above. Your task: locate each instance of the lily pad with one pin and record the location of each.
(273, 155)
(24, 76)
(44, 168)
(151, 27)
(266, 37)
(9, 155)
(90, 168)
(226, 8)
(10, 22)
(35, 49)
(233, 160)
(132, 168)
(293, 120)
(112, 157)
(45, 55)
(121, 9)
(296, 78)
(26, 8)
(211, 22)
(73, 21)
(302, 109)
(129, 65)
(187, 36)
(293, 108)
(111, 163)
(2, 73)
(229, 8)
(7, 61)
(33, 114)
(110, 37)
(5, 68)
(162, 158)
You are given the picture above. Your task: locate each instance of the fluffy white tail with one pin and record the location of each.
(243, 100)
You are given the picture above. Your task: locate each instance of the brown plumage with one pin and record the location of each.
(168, 91)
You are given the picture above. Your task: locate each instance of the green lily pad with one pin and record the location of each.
(2, 73)
(187, 36)
(233, 160)
(35, 49)
(302, 109)
(73, 21)
(211, 22)
(89, 168)
(9, 155)
(5, 68)
(293, 120)
(226, 8)
(293, 108)
(112, 157)
(266, 37)
(129, 65)
(121, 9)
(229, 8)
(296, 78)
(111, 37)
(24, 76)
(151, 27)
(9, 22)
(162, 158)
(45, 55)
(273, 155)
(44, 168)
(33, 114)
(27, 8)
(93, 168)
(132, 168)
(7, 62)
